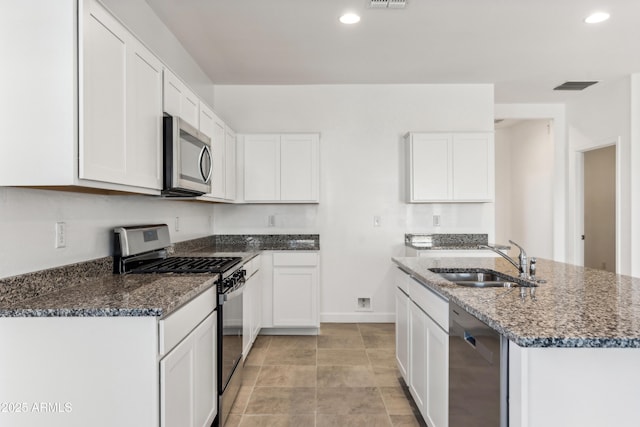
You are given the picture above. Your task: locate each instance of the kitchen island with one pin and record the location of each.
(574, 341)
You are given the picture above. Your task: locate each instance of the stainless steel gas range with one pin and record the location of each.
(145, 250)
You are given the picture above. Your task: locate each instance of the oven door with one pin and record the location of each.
(230, 349)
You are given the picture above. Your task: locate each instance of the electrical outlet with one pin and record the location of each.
(376, 221)
(271, 221)
(436, 220)
(364, 304)
(177, 225)
(61, 235)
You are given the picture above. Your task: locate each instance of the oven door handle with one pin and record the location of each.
(233, 294)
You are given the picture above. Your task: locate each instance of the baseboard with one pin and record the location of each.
(358, 317)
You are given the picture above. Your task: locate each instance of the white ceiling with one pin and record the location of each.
(524, 47)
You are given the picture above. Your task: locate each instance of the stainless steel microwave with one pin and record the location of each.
(187, 162)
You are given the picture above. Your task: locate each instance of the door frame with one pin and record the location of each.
(578, 155)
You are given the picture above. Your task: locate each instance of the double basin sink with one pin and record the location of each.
(480, 278)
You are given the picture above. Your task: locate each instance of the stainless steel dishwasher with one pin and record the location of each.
(478, 369)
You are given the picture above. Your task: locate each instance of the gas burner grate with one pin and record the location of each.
(189, 265)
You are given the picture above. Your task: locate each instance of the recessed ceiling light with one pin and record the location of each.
(596, 17)
(349, 18)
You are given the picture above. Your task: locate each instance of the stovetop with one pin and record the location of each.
(188, 265)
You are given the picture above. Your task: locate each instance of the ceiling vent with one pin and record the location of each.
(574, 85)
(387, 4)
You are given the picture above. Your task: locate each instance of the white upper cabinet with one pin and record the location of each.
(230, 164)
(450, 167)
(261, 167)
(214, 128)
(98, 101)
(144, 113)
(103, 143)
(281, 168)
(179, 100)
(223, 149)
(121, 104)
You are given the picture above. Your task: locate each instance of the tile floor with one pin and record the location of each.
(346, 376)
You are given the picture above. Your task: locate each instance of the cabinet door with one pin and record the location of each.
(436, 412)
(299, 167)
(402, 333)
(295, 296)
(188, 386)
(144, 117)
(473, 164)
(248, 304)
(179, 100)
(205, 384)
(218, 153)
(172, 93)
(261, 168)
(103, 107)
(230, 164)
(418, 356)
(257, 307)
(430, 167)
(177, 386)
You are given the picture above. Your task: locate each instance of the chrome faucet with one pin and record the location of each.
(521, 265)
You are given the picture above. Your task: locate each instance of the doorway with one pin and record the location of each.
(524, 202)
(600, 208)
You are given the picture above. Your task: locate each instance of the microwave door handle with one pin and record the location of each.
(206, 175)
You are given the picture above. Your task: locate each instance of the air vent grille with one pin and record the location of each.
(387, 4)
(397, 4)
(574, 85)
(378, 4)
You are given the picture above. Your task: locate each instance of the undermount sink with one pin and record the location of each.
(479, 278)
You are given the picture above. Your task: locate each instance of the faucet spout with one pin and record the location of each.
(520, 265)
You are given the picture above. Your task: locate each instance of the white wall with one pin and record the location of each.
(503, 184)
(524, 189)
(361, 129)
(557, 114)
(28, 217)
(600, 117)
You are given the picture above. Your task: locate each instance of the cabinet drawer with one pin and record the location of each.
(178, 324)
(401, 280)
(252, 266)
(435, 306)
(295, 259)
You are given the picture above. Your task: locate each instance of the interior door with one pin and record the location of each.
(600, 208)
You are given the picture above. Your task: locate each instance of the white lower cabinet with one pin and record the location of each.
(402, 333)
(188, 388)
(418, 356)
(422, 347)
(187, 375)
(290, 290)
(251, 305)
(436, 408)
(295, 290)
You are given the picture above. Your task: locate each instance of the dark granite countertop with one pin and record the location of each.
(577, 307)
(91, 289)
(464, 247)
(115, 295)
